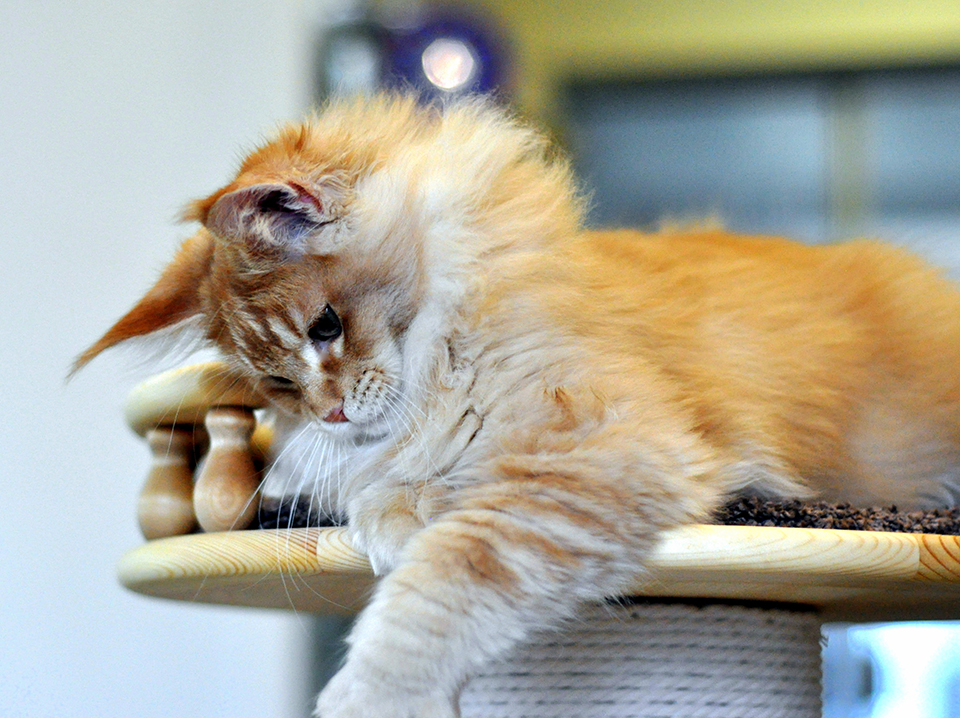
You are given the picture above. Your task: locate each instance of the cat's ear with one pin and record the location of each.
(270, 218)
(174, 298)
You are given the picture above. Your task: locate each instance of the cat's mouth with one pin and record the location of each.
(336, 415)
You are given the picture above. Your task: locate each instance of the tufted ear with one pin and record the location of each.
(173, 299)
(272, 217)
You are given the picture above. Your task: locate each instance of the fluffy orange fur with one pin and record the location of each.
(509, 409)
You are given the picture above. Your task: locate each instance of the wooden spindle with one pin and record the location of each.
(224, 493)
(165, 506)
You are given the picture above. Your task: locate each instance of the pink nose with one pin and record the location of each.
(336, 415)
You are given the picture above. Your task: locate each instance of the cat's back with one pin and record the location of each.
(763, 302)
(756, 276)
(836, 359)
(715, 257)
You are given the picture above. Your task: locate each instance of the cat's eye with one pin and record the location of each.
(281, 382)
(327, 327)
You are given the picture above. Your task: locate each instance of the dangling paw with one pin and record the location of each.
(346, 696)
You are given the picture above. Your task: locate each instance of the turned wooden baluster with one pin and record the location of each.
(165, 507)
(225, 489)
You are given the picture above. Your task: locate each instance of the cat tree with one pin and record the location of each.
(725, 624)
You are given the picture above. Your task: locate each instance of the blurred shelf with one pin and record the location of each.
(555, 41)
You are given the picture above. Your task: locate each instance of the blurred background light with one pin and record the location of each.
(438, 50)
(449, 64)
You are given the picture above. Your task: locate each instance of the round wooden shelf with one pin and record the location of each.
(848, 575)
(854, 576)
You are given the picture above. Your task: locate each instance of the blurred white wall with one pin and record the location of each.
(112, 115)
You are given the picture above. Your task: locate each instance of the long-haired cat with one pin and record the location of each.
(510, 409)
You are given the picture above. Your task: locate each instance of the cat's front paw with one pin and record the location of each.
(382, 541)
(349, 697)
(382, 556)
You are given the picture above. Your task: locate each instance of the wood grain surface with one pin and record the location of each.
(182, 396)
(849, 575)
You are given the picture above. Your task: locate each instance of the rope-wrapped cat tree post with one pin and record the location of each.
(661, 659)
(725, 624)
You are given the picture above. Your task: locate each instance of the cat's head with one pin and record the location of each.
(327, 269)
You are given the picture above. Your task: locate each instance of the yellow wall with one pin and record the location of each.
(555, 40)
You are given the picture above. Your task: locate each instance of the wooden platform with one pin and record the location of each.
(849, 575)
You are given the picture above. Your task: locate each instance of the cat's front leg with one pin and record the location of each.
(382, 520)
(514, 557)
(353, 695)
(387, 512)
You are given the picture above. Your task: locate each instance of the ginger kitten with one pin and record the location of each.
(509, 409)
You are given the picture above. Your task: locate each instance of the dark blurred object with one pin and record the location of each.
(439, 51)
(814, 156)
(292, 512)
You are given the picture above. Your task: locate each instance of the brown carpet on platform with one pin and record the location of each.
(820, 515)
(739, 512)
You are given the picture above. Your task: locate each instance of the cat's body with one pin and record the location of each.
(507, 409)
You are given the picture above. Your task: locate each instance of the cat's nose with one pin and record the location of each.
(336, 415)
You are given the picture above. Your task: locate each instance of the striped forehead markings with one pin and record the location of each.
(249, 324)
(281, 328)
(240, 338)
(264, 328)
(245, 360)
